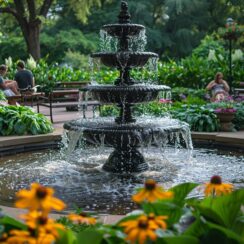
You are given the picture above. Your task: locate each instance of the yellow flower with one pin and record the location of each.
(45, 238)
(21, 237)
(151, 192)
(216, 188)
(82, 218)
(158, 220)
(143, 228)
(37, 221)
(38, 198)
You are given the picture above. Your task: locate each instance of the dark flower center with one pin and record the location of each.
(32, 232)
(42, 220)
(150, 185)
(4, 237)
(151, 217)
(83, 214)
(216, 180)
(142, 224)
(41, 192)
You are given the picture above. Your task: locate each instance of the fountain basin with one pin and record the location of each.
(117, 30)
(142, 133)
(126, 94)
(124, 59)
(79, 181)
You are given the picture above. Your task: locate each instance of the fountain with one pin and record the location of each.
(126, 135)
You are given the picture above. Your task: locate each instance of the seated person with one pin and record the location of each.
(9, 87)
(24, 77)
(218, 87)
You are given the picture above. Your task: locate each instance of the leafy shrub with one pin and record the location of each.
(153, 108)
(187, 94)
(239, 116)
(20, 120)
(76, 60)
(109, 110)
(2, 96)
(198, 117)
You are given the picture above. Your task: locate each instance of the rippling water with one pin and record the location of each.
(80, 181)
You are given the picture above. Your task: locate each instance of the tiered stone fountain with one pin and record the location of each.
(125, 134)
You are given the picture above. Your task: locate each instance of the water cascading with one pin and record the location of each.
(126, 134)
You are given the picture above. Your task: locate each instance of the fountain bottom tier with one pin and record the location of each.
(126, 139)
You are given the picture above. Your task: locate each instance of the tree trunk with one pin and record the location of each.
(33, 40)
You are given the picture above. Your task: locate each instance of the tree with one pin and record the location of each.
(31, 13)
(28, 15)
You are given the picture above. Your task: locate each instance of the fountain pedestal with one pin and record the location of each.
(125, 160)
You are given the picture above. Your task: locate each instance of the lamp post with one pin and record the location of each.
(230, 35)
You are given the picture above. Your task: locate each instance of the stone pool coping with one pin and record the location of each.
(103, 218)
(32, 142)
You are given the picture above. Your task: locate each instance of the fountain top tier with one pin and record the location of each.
(124, 25)
(126, 91)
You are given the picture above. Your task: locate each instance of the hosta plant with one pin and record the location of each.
(198, 117)
(20, 120)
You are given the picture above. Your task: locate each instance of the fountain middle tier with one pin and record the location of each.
(126, 94)
(124, 59)
(145, 132)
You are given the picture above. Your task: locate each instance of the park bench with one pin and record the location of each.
(239, 91)
(68, 95)
(26, 98)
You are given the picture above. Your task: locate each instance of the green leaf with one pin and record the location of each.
(10, 223)
(230, 235)
(224, 210)
(89, 236)
(178, 240)
(66, 237)
(197, 228)
(181, 191)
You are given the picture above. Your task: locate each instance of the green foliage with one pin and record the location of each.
(55, 43)
(76, 60)
(187, 95)
(239, 116)
(2, 96)
(12, 46)
(18, 120)
(196, 72)
(109, 110)
(198, 117)
(153, 108)
(207, 44)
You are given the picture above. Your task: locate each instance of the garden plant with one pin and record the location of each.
(170, 216)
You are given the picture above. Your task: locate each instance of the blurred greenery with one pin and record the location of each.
(174, 27)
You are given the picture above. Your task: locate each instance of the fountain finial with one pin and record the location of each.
(124, 16)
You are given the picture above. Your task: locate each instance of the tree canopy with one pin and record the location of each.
(57, 28)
